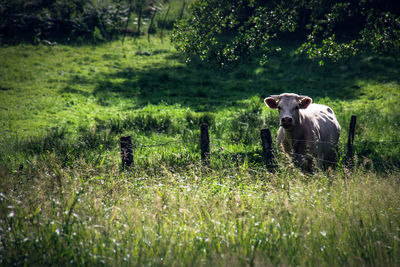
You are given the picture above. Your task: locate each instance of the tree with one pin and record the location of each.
(228, 31)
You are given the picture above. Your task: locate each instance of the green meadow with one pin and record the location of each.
(65, 199)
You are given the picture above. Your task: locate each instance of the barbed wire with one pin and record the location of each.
(382, 142)
(331, 142)
(312, 157)
(313, 141)
(197, 141)
(140, 145)
(221, 149)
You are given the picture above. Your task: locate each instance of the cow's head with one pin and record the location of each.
(288, 106)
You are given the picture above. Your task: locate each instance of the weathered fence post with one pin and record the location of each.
(350, 142)
(268, 151)
(126, 151)
(205, 144)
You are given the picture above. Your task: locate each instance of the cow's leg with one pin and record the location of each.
(327, 155)
(283, 141)
(303, 155)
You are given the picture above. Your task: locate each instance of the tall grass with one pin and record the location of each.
(92, 214)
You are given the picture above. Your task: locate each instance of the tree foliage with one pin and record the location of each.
(229, 31)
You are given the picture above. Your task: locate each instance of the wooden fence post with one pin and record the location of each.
(268, 151)
(350, 142)
(126, 151)
(205, 144)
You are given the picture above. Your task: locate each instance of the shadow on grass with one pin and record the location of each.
(203, 87)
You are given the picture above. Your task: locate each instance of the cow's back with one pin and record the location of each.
(325, 120)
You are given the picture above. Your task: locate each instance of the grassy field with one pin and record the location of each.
(65, 200)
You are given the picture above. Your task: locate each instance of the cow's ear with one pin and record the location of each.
(305, 102)
(271, 102)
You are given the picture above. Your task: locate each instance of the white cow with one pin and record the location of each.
(306, 130)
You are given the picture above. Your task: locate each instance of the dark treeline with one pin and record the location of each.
(34, 21)
(77, 21)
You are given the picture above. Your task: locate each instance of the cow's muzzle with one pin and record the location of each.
(287, 122)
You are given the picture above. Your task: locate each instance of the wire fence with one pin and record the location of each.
(141, 145)
(267, 145)
(316, 158)
(220, 148)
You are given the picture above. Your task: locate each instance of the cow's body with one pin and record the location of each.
(307, 130)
